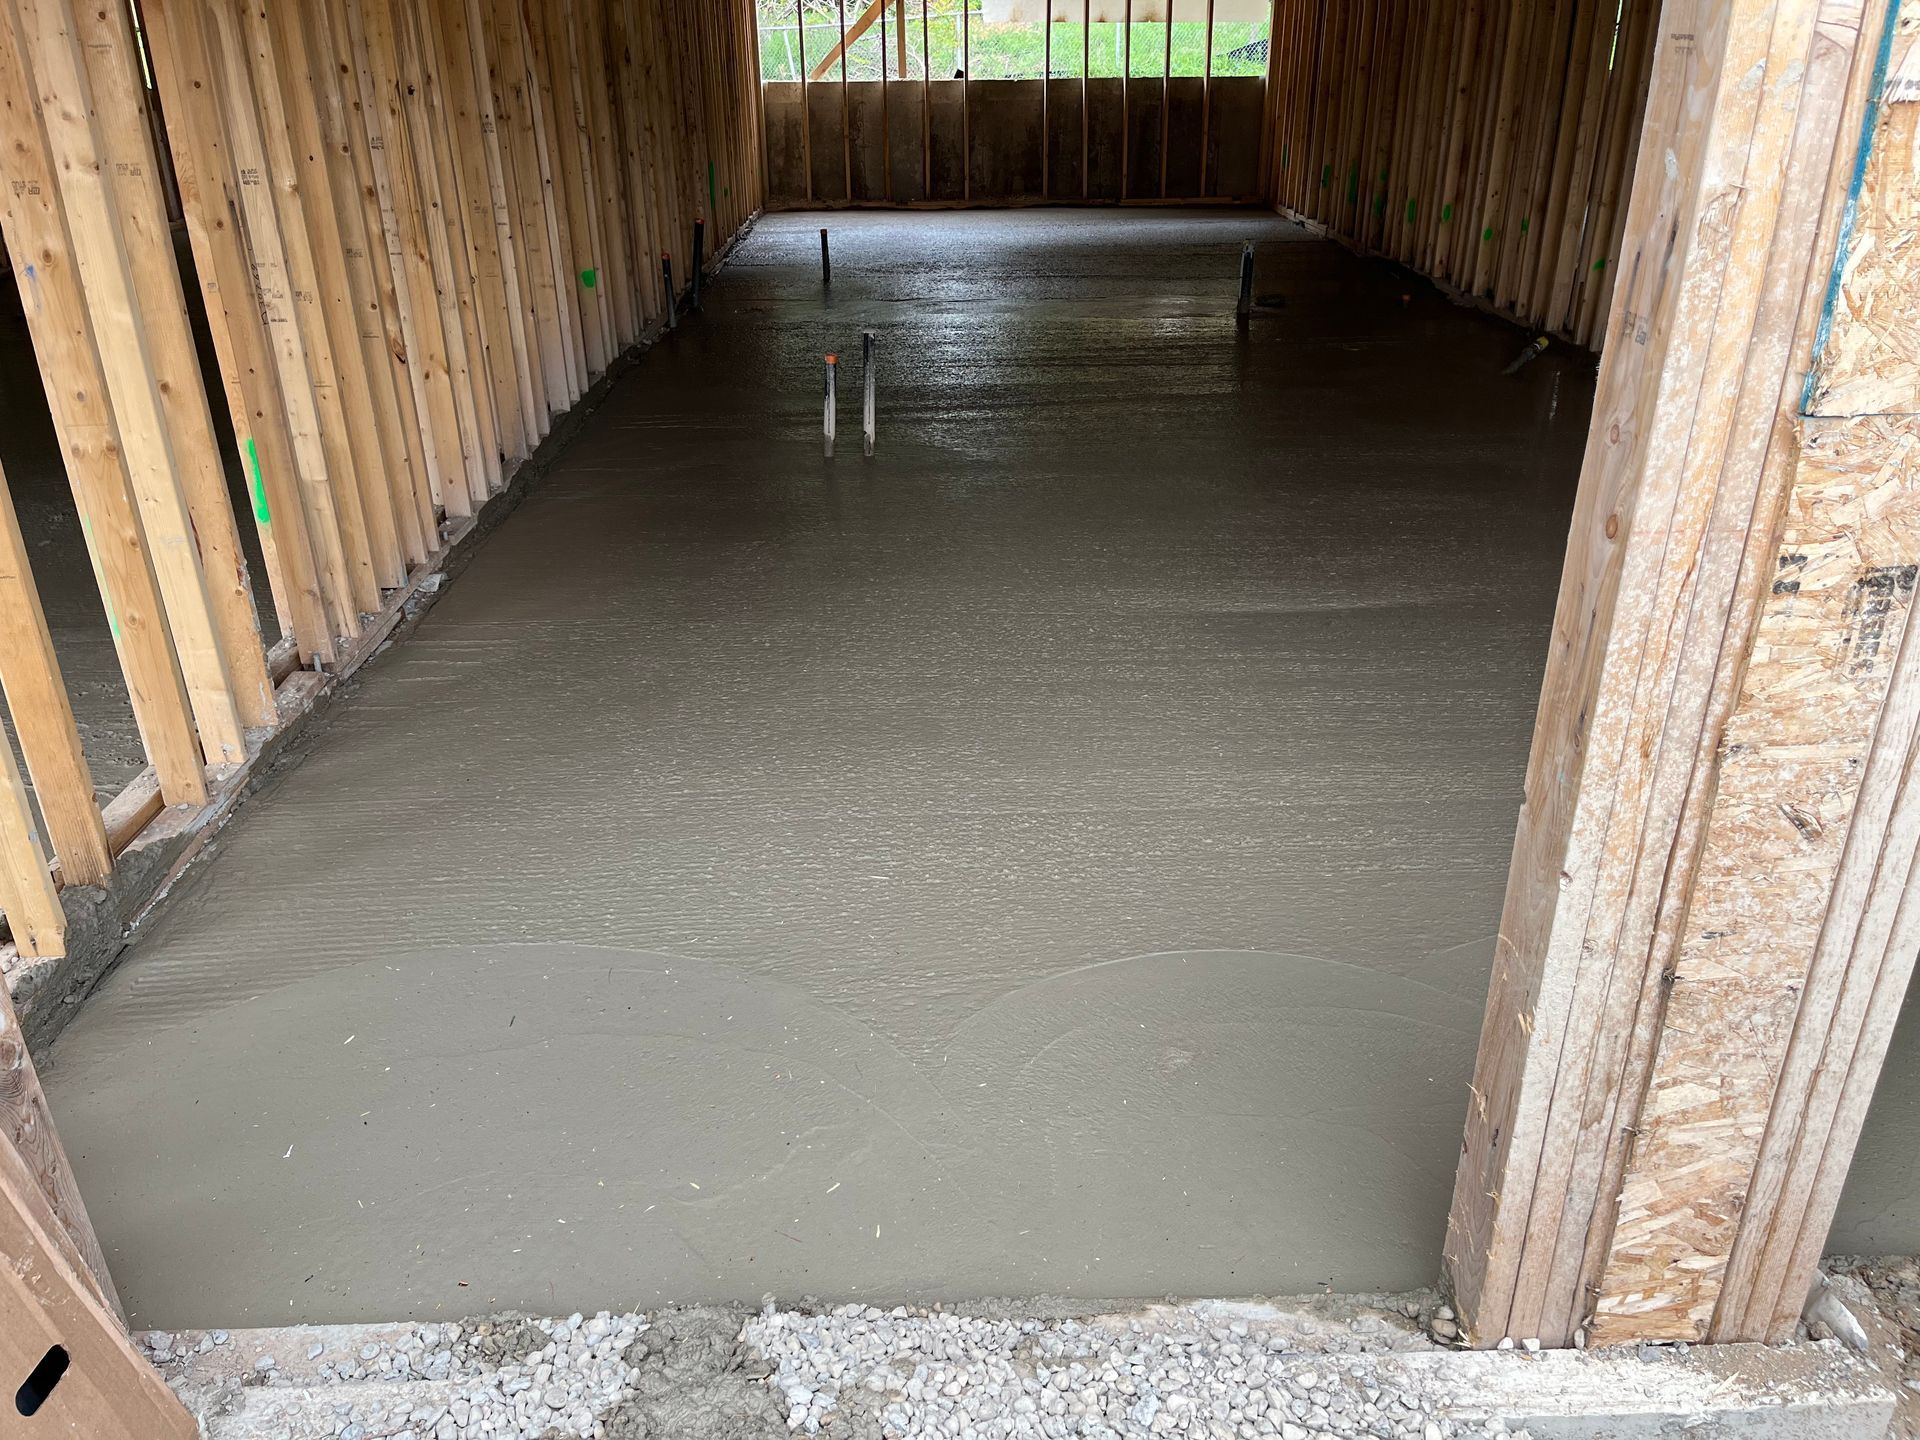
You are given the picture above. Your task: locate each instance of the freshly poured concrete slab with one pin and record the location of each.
(1060, 854)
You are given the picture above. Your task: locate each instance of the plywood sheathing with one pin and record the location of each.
(1798, 944)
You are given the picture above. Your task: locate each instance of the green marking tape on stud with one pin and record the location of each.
(1446, 212)
(1353, 184)
(1601, 263)
(1286, 153)
(589, 278)
(1411, 210)
(1326, 175)
(1523, 227)
(1486, 235)
(1380, 204)
(260, 511)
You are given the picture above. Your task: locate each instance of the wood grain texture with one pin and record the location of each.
(1666, 576)
(392, 288)
(39, 243)
(1466, 138)
(104, 36)
(1860, 468)
(33, 1146)
(401, 304)
(43, 716)
(28, 901)
(114, 259)
(204, 174)
(108, 1392)
(1789, 786)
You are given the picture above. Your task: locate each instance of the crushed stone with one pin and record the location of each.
(1194, 1371)
(1893, 1283)
(1208, 1370)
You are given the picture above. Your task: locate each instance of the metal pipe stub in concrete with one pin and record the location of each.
(1246, 282)
(666, 274)
(826, 259)
(833, 372)
(866, 375)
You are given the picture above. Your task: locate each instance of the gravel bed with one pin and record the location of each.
(1172, 1371)
(1204, 1371)
(551, 1379)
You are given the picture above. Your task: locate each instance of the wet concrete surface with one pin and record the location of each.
(1059, 855)
(1880, 1208)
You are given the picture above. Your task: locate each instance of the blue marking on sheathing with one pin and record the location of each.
(1850, 214)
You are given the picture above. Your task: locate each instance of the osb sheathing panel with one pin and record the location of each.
(1788, 806)
(1187, 96)
(1105, 139)
(1790, 773)
(1871, 360)
(1143, 101)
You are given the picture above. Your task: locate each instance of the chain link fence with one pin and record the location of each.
(949, 37)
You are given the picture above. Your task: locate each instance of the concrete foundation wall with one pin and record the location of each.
(1010, 141)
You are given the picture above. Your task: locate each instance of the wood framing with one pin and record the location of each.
(241, 343)
(54, 1291)
(116, 263)
(424, 230)
(33, 1167)
(27, 894)
(43, 718)
(58, 319)
(104, 37)
(1483, 142)
(401, 297)
(1721, 735)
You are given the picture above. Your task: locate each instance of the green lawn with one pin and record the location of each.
(996, 52)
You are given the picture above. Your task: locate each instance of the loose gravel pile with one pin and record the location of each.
(1210, 1371)
(1175, 1373)
(1892, 1283)
(545, 1378)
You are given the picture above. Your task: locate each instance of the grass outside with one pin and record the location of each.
(998, 52)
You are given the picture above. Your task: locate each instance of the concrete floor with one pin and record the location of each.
(1059, 855)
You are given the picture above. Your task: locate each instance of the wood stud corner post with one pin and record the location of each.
(1651, 981)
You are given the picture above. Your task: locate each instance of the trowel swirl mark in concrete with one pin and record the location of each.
(1240, 1116)
(607, 1121)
